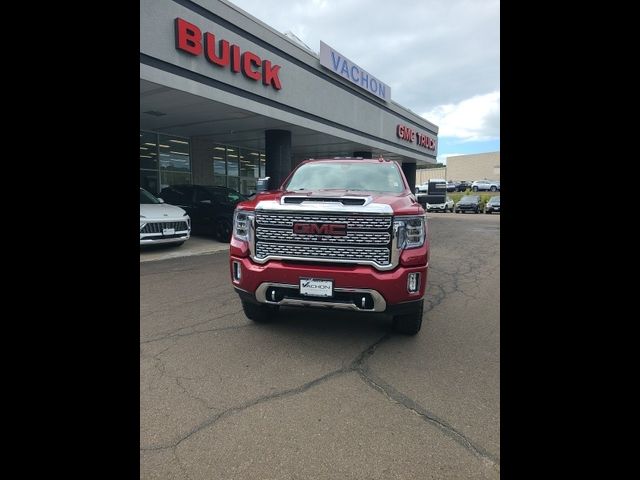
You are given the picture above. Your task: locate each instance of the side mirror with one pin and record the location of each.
(160, 200)
(263, 184)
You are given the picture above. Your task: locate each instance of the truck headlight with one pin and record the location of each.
(241, 224)
(410, 230)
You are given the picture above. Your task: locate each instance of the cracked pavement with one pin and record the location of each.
(322, 394)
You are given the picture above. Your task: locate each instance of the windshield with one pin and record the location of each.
(374, 177)
(469, 198)
(494, 200)
(146, 198)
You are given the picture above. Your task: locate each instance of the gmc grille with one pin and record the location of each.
(368, 238)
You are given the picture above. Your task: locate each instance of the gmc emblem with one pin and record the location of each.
(320, 229)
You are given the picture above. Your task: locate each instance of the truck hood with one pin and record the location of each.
(403, 203)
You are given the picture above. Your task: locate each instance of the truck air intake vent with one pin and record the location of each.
(344, 201)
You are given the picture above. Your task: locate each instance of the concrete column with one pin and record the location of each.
(202, 161)
(409, 170)
(278, 155)
(362, 154)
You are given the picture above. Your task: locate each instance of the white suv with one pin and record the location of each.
(443, 207)
(488, 185)
(162, 223)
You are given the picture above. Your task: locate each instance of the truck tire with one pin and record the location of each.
(409, 323)
(259, 313)
(223, 230)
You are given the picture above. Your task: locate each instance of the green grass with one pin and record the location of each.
(484, 196)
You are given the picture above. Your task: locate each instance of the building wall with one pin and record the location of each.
(311, 96)
(425, 174)
(474, 167)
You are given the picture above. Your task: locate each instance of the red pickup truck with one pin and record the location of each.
(339, 233)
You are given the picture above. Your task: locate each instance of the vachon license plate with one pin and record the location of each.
(315, 287)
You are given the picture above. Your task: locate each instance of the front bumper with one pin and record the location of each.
(277, 283)
(467, 208)
(155, 239)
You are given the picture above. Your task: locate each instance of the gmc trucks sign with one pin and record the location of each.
(189, 39)
(410, 135)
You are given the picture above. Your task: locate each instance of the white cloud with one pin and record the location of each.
(431, 53)
(474, 119)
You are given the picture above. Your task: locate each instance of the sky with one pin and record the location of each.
(441, 58)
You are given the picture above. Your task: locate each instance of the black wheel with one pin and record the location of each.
(493, 188)
(409, 323)
(477, 210)
(223, 230)
(457, 211)
(487, 211)
(475, 189)
(259, 313)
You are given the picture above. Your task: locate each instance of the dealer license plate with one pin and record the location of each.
(168, 231)
(315, 287)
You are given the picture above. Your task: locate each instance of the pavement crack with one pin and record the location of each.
(174, 333)
(356, 365)
(367, 353)
(397, 397)
(189, 394)
(266, 398)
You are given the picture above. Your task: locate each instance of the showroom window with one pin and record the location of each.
(164, 160)
(237, 168)
(149, 161)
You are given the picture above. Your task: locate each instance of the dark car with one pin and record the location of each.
(210, 207)
(469, 203)
(463, 186)
(493, 205)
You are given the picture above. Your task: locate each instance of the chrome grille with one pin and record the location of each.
(157, 227)
(368, 238)
(352, 237)
(382, 222)
(325, 252)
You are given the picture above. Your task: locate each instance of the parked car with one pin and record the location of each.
(451, 186)
(493, 205)
(440, 207)
(469, 203)
(424, 188)
(210, 207)
(486, 185)
(162, 223)
(463, 186)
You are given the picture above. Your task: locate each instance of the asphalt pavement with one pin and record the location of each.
(323, 394)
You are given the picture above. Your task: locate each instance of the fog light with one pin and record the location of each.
(237, 271)
(413, 282)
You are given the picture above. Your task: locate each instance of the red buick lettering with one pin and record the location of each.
(189, 39)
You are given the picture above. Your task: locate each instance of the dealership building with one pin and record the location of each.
(226, 99)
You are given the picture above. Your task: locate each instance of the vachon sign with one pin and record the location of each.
(189, 39)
